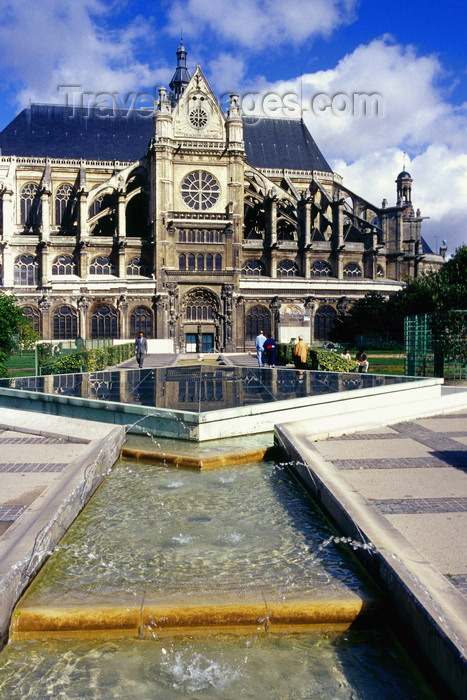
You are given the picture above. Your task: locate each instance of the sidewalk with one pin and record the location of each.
(401, 491)
(49, 468)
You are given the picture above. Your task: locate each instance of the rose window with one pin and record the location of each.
(198, 118)
(200, 190)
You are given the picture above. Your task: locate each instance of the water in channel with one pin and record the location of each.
(185, 535)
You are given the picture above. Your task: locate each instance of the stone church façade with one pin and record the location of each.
(190, 224)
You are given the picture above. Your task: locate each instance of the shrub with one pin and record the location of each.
(87, 360)
(317, 358)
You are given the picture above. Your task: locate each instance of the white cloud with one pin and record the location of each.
(52, 43)
(258, 24)
(416, 118)
(226, 72)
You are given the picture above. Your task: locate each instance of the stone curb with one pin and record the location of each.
(26, 545)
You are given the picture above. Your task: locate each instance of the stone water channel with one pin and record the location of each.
(225, 582)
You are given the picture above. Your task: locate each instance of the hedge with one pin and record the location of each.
(89, 360)
(317, 359)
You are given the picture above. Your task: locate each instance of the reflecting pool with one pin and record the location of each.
(201, 389)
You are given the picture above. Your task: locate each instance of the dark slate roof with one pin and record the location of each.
(282, 143)
(426, 249)
(57, 131)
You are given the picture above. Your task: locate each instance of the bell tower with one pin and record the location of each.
(181, 77)
(197, 181)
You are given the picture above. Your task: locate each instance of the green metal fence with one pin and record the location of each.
(425, 345)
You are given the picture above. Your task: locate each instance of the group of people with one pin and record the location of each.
(361, 359)
(265, 350)
(266, 353)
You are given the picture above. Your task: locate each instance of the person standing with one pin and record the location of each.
(270, 351)
(141, 348)
(300, 353)
(259, 344)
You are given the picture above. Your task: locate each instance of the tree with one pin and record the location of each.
(15, 328)
(368, 316)
(444, 290)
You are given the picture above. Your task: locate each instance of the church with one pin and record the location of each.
(195, 225)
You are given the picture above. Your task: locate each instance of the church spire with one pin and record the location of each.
(181, 77)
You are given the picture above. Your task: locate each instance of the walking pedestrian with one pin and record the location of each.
(141, 348)
(259, 345)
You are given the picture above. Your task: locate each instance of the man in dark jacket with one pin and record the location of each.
(141, 348)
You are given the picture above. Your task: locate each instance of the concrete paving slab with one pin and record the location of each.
(417, 483)
(438, 536)
(372, 449)
(446, 424)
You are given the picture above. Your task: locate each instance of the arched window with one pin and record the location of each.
(352, 270)
(191, 261)
(200, 261)
(258, 319)
(65, 323)
(34, 317)
(200, 305)
(104, 322)
(66, 207)
(26, 271)
(209, 262)
(218, 261)
(325, 320)
(321, 269)
(141, 322)
(63, 265)
(30, 205)
(135, 267)
(199, 310)
(182, 261)
(287, 268)
(253, 267)
(102, 266)
(96, 206)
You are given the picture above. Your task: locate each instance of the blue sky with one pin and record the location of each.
(410, 54)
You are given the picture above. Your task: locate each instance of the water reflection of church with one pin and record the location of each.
(198, 390)
(198, 226)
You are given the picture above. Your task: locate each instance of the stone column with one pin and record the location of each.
(122, 305)
(227, 297)
(83, 259)
(311, 305)
(275, 307)
(43, 250)
(172, 291)
(44, 306)
(83, 306)
(45, 227)
(271, 218)
(83, 215)
(121, 259)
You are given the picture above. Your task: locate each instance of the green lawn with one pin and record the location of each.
(21, 364)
